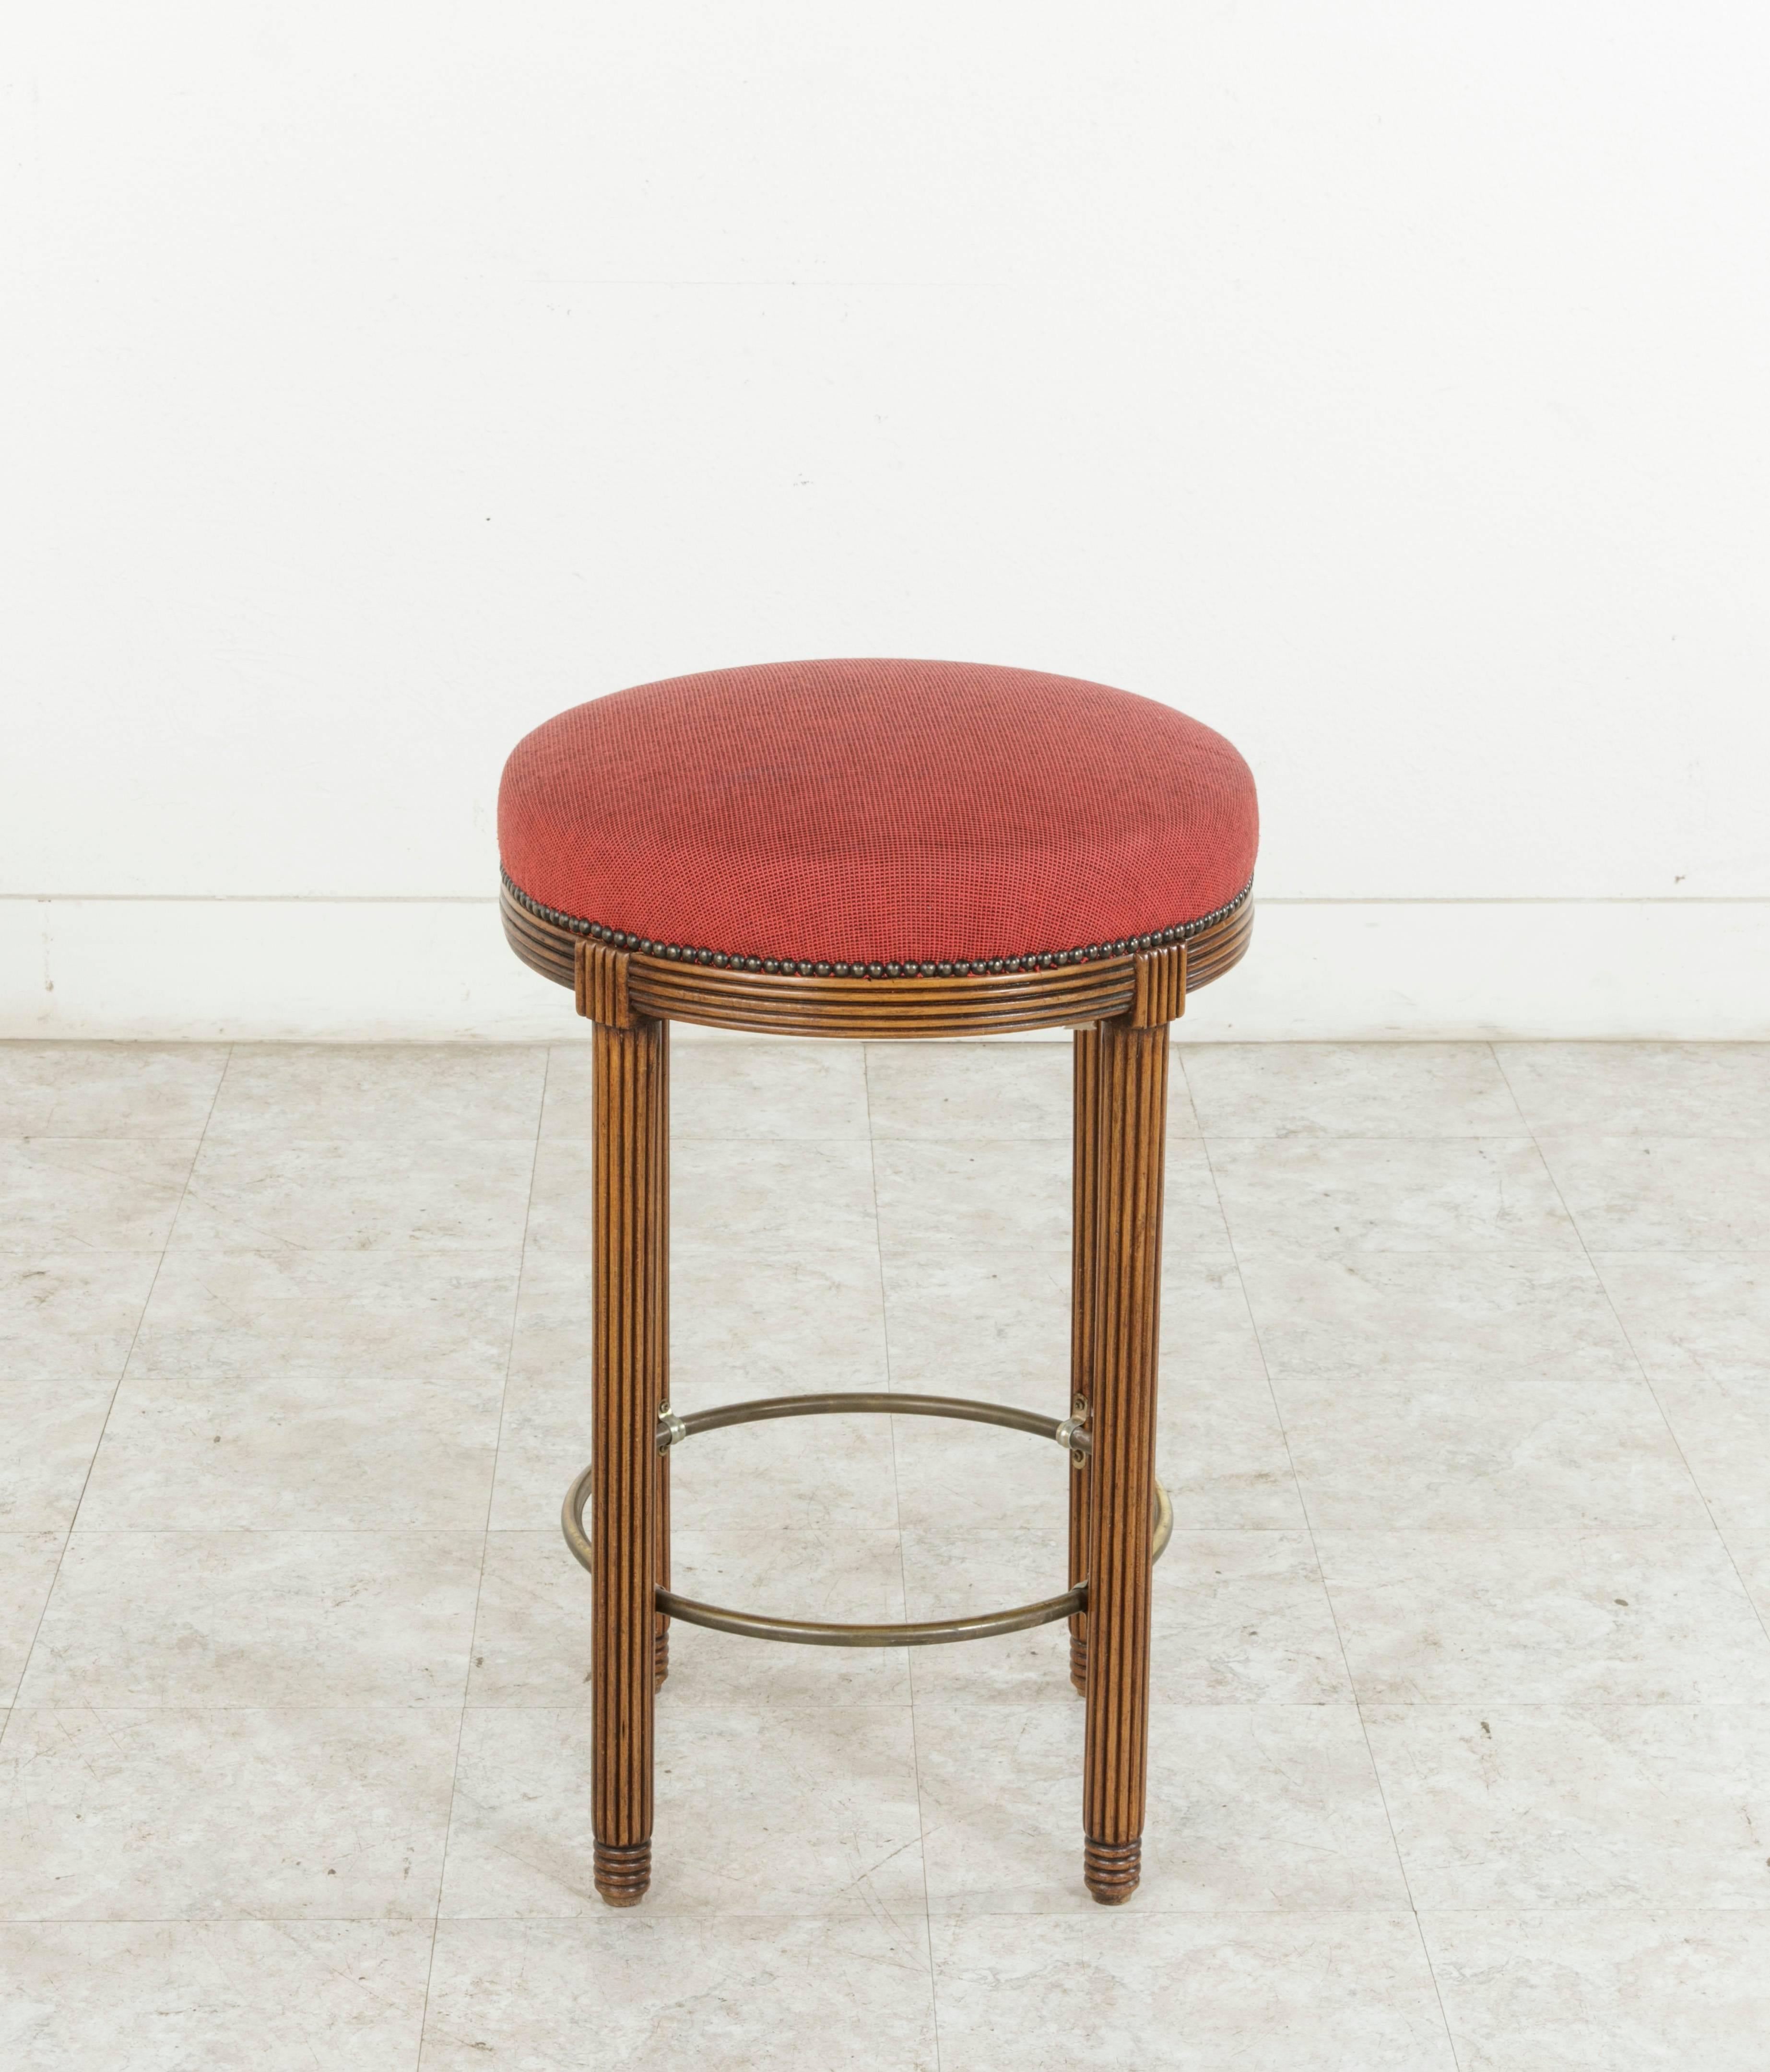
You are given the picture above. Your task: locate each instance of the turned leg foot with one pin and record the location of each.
(623, 1872)
(1111, 1870)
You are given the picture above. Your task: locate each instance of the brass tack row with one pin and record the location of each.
(621, 938)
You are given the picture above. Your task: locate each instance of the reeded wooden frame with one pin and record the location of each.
(773, 1004)
(1120, 1009)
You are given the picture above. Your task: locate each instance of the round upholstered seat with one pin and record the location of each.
(852, 815)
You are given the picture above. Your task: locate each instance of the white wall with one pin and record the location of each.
(1384, 383)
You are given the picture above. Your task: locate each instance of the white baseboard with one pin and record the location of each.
(439, 970)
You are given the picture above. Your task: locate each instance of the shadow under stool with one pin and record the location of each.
(882, 850)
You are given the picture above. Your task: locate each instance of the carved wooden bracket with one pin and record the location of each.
(601, 985)
(1158, 990)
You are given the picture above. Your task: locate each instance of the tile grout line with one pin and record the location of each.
(122, 1371)
(1634, 1353)
(1309, 1526)
(485, 1533)
(902, 1574)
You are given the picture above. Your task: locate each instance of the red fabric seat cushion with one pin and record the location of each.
(866, 812)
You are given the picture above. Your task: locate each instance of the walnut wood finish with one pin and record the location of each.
(660, 1230)
(632, 1067)
(1120, 1009)
(775, 1003)
(1130, 1090)
(1158, 987)
(1158, 997)
(1083, 1263)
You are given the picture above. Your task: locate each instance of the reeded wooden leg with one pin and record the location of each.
(660, 1636)
(1132, 1101)
(1084, 1263)
(632, 1071)
(661, 1641)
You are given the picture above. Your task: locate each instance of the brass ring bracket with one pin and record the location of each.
(816, 1633)
(1073, 1432)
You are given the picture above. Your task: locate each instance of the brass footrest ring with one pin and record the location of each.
(816, 1633)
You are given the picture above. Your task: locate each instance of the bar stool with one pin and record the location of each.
(879, 849)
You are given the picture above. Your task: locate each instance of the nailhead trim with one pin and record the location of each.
(811, 967)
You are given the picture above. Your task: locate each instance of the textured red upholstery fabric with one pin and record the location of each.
(872, 811)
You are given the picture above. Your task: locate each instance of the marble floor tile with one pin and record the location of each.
(775, 1199)
(730, 1087)
(663, 1993)
(1359, 1089)
(258, 1618)
(51, 1432)
(1242, 1618)
(1196, 1236)
(1657, 1089)
(1265, 1992)
(839, 1573)
(1664, 1194)
(550, 1339)
(1700, 1323)
(747, 1321)
(1208, 1331)
(322, 1315)
(1238, 1618)
(68, 1195)
(1543, 1314)
(109, 1090)
(408, 1093)
(1693, 1317)
(568, 1103)
(799, 1812)
(952, 1572)
(1220, 1451)
(997, 1329)
(1750, 1552)
(1723, 1433)
(281, 1195)
(975, 1199)
(531, 1631)
(560, 1199)
(1499, 1806)
(173, 1996)
(982, 1200)
(532, 1640)
(72, 1313)
(1621, 1618)
(1565, 1670)
(1329, 1196)
(787, 1091)
(1453, 1449)
(168, 1814)
(937, 1092)
(974, 1476)
(27, 1567)
(1252, 1809)
(543, 1442)
(790, 1473)
(759, 1199)
(280, 1451)
(1583, 1992)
